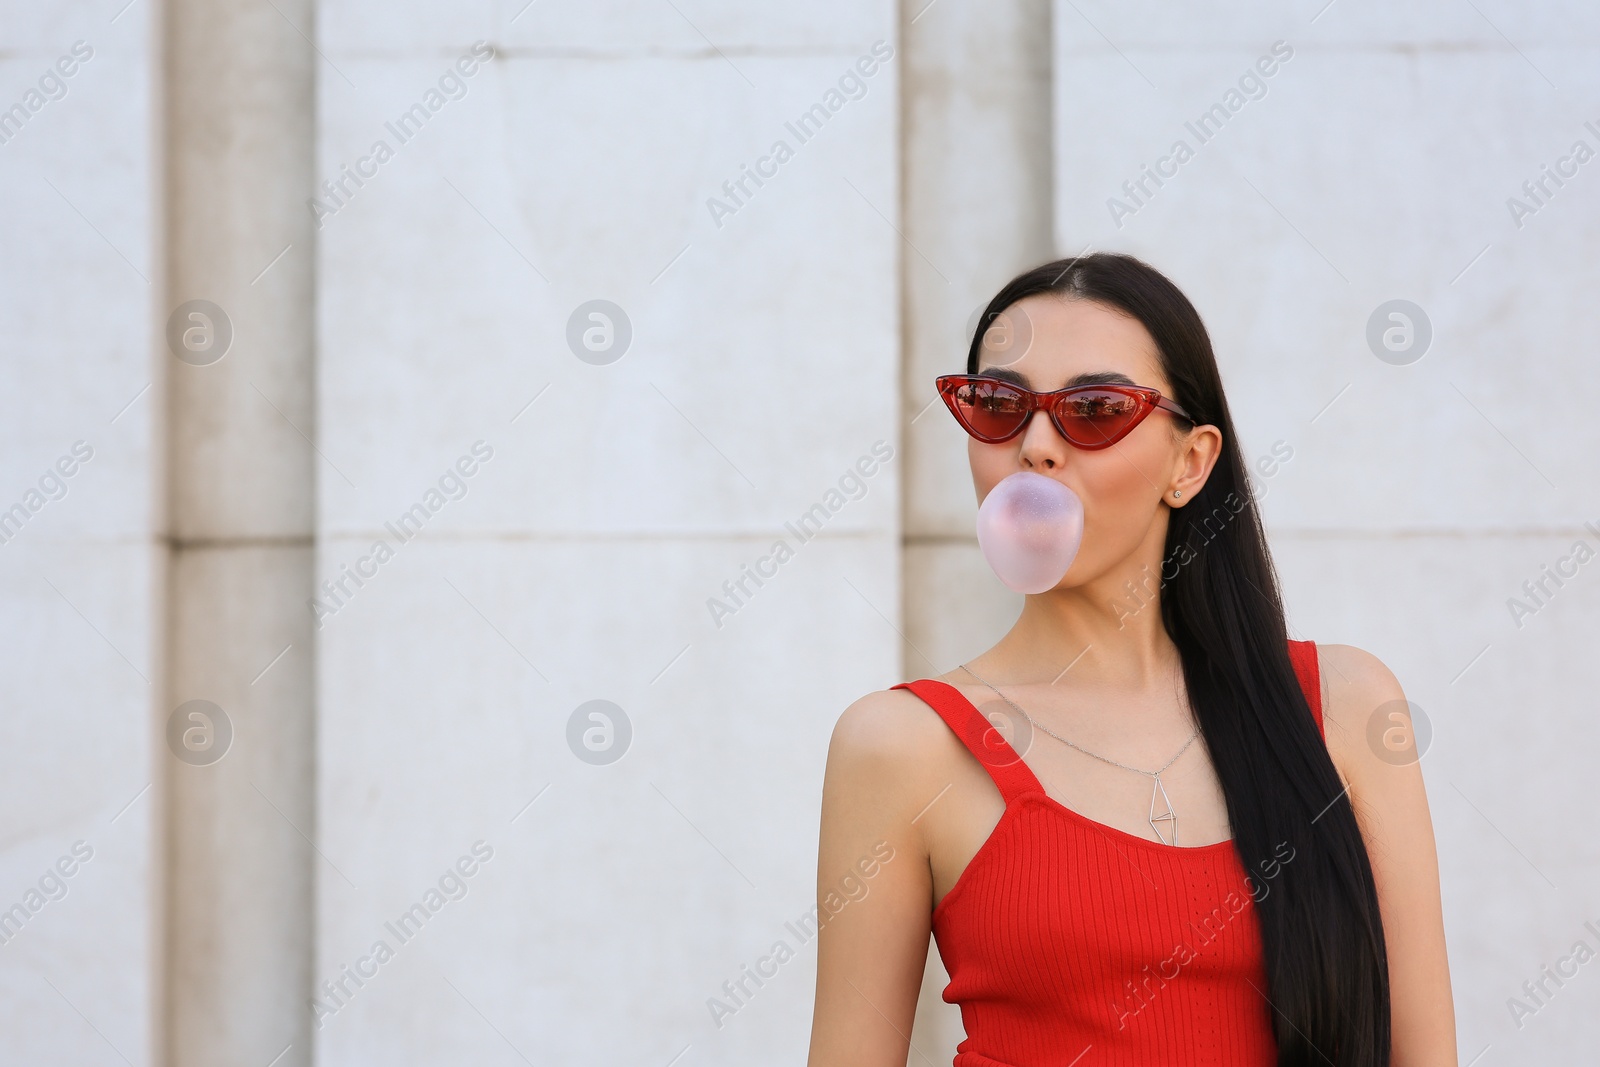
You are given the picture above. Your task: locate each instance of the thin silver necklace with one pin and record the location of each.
(1166, 815)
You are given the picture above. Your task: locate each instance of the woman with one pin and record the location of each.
(1297, 921)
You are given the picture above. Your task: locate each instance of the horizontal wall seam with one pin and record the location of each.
(612, 55)
(648, 536)
(212, 544)
(1332, 534)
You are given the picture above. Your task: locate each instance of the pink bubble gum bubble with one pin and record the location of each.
(1029, 528)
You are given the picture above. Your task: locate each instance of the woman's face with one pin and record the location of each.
(1047, 342)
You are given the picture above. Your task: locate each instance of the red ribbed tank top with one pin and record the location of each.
(1070, 942)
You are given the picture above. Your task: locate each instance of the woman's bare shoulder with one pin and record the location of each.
(888, 724)
(1370, 735)
(890, 742)
(1356, 684)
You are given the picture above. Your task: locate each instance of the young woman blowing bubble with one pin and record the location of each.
(1299, 919)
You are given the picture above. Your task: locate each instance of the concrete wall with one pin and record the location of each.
(81, 564)
(613, 494)
(552, 745)
(978, 205)
(1375, 164)
(242, 474)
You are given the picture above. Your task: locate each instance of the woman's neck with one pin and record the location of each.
(1102, 638)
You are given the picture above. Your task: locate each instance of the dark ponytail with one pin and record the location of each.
(1326, 966)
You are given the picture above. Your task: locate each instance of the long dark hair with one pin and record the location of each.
(1326, 966)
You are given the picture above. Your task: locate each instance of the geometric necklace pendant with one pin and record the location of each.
(1162, 817)
(1165, 816)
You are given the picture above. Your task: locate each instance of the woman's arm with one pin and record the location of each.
(1385, 782)
(874, 926)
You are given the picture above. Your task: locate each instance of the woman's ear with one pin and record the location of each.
(1197, 454)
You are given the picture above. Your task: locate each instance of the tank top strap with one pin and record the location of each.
(981, 737)
(1303, 656)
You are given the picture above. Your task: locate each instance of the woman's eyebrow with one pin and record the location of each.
(1005, 374)
(1100, 378)
(1090, 378)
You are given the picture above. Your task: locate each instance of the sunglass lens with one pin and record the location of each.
(1099, 417)
(989, 410)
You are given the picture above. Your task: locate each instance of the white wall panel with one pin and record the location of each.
(1376, 164)
(578, 562)
(80, 566)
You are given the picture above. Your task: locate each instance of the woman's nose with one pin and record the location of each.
(1042, 446)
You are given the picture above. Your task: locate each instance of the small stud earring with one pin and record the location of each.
(1176, 493)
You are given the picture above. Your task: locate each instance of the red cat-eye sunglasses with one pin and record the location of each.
(1088, 416)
